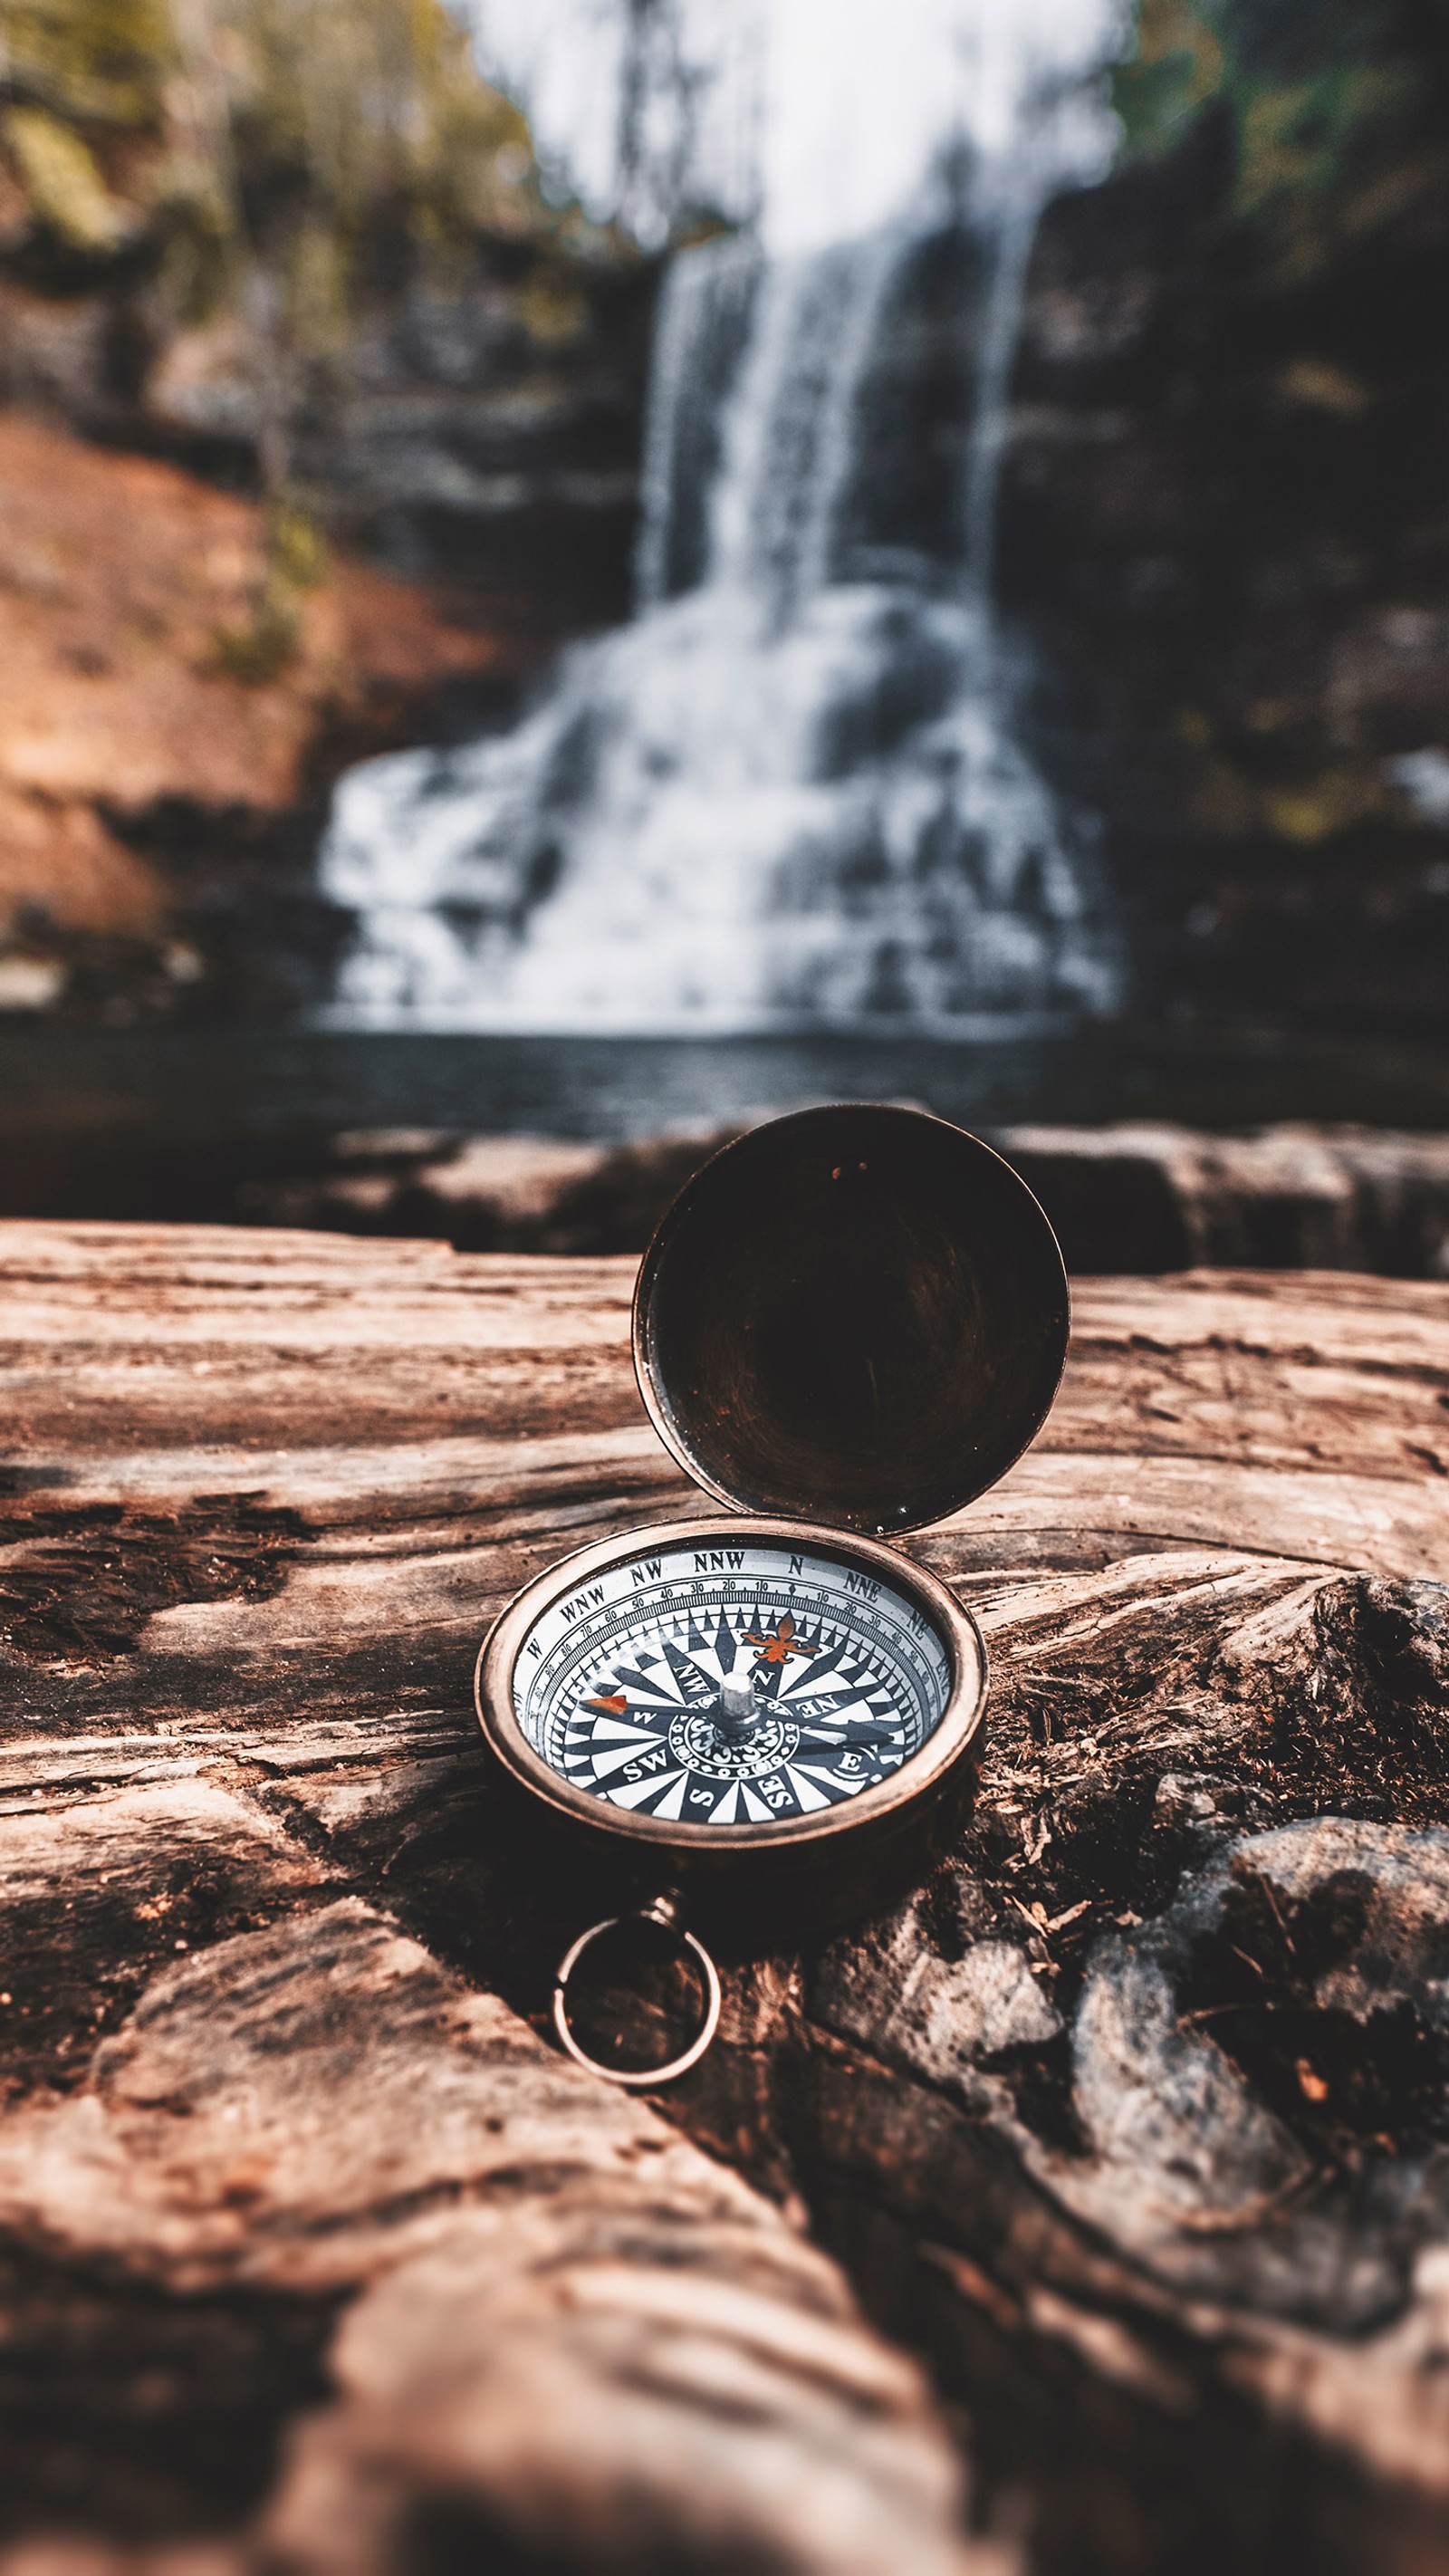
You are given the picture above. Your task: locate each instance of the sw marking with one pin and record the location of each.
(644, 1763)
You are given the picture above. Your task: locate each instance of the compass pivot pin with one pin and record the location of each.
(739, 1707)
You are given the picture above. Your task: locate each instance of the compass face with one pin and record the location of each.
(731, 1685)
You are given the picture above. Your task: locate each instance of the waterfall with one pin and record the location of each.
(790, 435)
(1016, 231)
(704, 311)
(792, 794)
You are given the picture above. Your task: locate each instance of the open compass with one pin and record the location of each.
(848, 1325)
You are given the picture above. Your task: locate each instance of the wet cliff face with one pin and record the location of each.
(315, 253)
(162, 779)
(491, 433)
(481, 432)
(1225, 523)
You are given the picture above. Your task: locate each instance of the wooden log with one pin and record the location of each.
(1134, 2120)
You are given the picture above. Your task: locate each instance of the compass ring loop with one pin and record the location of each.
(642, 2078)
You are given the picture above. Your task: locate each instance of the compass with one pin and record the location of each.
(847, 1326)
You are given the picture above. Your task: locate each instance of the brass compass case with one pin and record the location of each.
(822, 1866)
(848, 1325)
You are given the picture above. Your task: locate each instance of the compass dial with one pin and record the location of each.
(742, 1684)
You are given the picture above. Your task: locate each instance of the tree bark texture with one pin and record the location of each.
(1131, 2125)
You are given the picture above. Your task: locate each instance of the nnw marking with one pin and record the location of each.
(714, 1560)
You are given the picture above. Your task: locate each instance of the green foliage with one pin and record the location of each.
(1336, 107)
(264, 647)
(94, 62)
(295, 560)
(61, 180)
(1302, 138)
(361, 108)
(309, 135)
(1177, 64)
(297, 548)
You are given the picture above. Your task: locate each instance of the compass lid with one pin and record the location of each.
(853, 1315)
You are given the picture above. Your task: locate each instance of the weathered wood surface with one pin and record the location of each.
(1134, 2122)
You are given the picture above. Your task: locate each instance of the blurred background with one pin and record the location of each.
(575, 572)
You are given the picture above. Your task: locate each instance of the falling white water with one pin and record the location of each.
(789, 796)
(704, 314)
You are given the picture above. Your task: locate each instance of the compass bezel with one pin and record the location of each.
(888, 1805)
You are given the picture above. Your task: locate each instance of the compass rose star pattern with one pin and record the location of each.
(832, 1719)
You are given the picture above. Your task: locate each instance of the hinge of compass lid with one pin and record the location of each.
(853, 1315)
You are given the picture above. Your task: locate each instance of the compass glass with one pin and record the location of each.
(743, 1684)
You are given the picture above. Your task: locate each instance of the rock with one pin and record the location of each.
(152, 799)
(1221, 527)
(1129, 2121)
(1146, 1195)
(64, 876)
(491, 1193)
(475, 448)
(1142, 1196)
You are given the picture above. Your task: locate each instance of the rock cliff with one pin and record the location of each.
(160, 787)
(1223, 515)
(304, 262)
